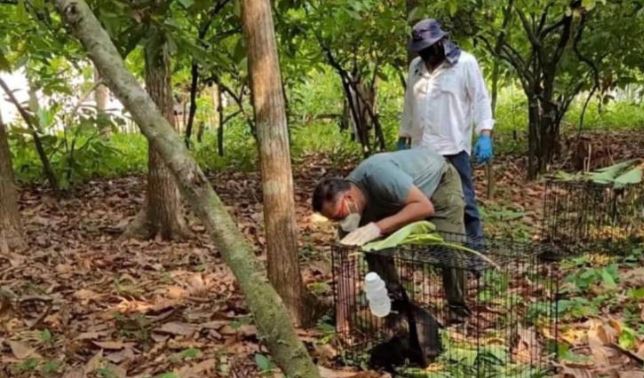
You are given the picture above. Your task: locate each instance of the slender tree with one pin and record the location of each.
(274, 155)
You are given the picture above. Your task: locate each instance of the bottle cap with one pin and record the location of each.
(371, 277)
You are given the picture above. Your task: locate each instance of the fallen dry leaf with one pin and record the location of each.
(74, 373)
(330, 373)
(111, 345)
(124, 354)
(176, 292)
(177, 328)
(575, 372)
(198, 370)
(94, 362)
(631, 374)
(527, 347)
(21, 350)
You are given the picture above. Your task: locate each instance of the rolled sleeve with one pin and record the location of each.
(478, 94)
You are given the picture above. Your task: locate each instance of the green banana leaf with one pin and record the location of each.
(619, 175)
(420, 233)
(608, 175)
(414, 231)
(633, 176)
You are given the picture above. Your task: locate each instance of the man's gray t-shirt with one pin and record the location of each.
(386, 179)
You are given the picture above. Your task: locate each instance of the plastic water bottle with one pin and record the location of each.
(377, 296)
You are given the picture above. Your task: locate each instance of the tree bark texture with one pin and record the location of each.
(11, 237)
(267, 308)
(274, 155)
(101, 97)
(162, 213)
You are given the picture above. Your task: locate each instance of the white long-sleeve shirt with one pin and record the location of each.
(442, 106)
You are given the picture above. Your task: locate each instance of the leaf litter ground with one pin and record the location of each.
(83, 304)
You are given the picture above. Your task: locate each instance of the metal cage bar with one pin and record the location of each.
(507, 328)
(586, 216)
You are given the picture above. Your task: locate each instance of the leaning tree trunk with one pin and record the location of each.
(274, 155)
(267, 308)
(11, 237)
(162, 213)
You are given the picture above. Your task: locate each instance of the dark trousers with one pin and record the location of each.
(473, 226)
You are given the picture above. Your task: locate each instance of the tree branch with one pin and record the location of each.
(29, 120)
(194, 68)
(593, 67)
(544, 17)
(528, 28)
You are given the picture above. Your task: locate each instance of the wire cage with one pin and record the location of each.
(584, 216)
(453, 313)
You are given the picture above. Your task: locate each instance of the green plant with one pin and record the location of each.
(582, 279)
(264, 363)
(186, 355)
(135, 326)
(51, 368)
(106, 372)
(576, 308)
(45, 336)
(28, 365)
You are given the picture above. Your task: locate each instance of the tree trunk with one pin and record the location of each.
(101, 97)
(220, 119)
(549, 135)
(543, 135)
(267, 308)
(11, 237)
(194, 71)
(410, 5)
(162, 213)
(533, 137)
(274, 155)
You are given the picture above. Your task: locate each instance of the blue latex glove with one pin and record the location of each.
(402, 144)
(483, 149)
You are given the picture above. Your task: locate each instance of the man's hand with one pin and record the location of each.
(362, 236)
(483, 148)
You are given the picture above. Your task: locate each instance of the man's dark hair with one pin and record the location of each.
(327, 190)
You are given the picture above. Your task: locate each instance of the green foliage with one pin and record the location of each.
(45, 336)
(186, 355)
(582, 279)
(106, 372)
(51, 368)
(264, 364)
(167, 375)
(136, 326)
(28, 365)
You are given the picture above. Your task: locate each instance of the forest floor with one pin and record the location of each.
(81, 303)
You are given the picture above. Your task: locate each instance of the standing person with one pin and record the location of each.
(445, 98)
